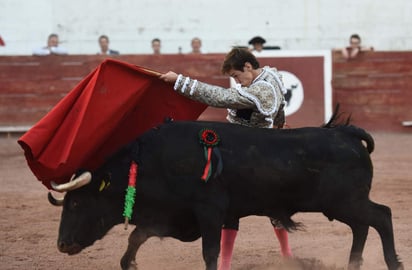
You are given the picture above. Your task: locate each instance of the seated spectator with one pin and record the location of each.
(51, 48)
(156, 45)
(257, 44)
(354, 47)
(104, 46)
(196, 44)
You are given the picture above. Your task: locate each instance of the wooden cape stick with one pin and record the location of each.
(151, 72)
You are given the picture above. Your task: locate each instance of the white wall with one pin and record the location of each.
(132, 24)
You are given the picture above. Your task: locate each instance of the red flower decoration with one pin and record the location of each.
(209, 137)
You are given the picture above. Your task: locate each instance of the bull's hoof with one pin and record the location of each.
(71, 249)
(396, 265)
(128, 266)
(400, 267)
(132, 265)
(355, 265)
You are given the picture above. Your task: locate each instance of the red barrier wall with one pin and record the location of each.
(31, 86)
(375, 87)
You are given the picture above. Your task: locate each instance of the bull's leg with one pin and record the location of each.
(359, 216)
(136, 239)
(210, 223)
(360, 233)
(380, 218)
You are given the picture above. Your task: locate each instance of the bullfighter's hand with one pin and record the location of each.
(169, 77)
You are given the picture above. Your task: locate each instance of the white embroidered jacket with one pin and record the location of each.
(264, 97)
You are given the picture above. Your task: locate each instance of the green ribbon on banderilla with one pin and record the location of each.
(130, 194)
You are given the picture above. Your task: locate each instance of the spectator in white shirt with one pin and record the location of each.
(51, 48)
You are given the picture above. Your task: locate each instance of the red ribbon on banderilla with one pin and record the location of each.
(209, 139)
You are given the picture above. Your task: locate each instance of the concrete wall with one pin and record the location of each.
(132, 24)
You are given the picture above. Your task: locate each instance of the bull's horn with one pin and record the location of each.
(80, 181)
(55, 201)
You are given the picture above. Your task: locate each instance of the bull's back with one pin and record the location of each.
(176, 146)
(286, 165)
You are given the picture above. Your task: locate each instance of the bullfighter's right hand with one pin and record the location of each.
(169, 77)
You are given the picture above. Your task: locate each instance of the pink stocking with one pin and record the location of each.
(226, 248)
(283, 238)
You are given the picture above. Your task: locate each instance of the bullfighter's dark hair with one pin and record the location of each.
(236, 60)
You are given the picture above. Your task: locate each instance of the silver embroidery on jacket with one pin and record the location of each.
(264, 96)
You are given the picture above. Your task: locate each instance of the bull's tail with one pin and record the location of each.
(336, 121)
(363, 135)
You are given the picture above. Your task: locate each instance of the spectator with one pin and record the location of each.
(196, 45)
(104, 46)
(156, 45)
(354, 47)
(257, 44)
(51, 48)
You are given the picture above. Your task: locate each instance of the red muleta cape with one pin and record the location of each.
(109, 108)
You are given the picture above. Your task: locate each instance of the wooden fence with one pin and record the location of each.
(375, 87)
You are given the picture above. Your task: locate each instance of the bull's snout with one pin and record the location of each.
(70, 249)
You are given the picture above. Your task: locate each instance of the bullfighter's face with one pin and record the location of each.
(244, 77)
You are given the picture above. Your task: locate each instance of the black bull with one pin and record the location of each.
(266, 172)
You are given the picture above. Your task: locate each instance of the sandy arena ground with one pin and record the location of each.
(29, 225)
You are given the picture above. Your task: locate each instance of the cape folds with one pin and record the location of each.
(110, 107)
